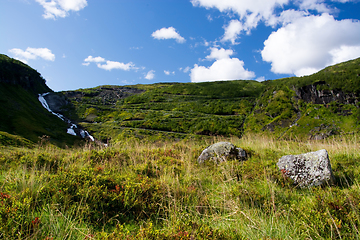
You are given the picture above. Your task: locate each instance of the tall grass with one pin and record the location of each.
(144, 190)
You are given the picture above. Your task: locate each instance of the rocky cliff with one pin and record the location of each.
(321, 93)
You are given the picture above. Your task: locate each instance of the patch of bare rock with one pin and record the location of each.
(221, 152)
(308, 169)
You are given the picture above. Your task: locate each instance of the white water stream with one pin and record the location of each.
(71, 129)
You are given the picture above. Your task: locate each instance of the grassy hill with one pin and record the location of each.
(140, 189)
(314, 107)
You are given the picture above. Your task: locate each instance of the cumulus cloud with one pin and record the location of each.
(311, 43)
(317, 5)
(271, 12)
(168, 33)
(224, 68)
(108, 65)
(232, 31)
(344, 53)
(32, 54)
(251, 12)
(286, 17)
(217, 54)
(150, 75)
(61, 8)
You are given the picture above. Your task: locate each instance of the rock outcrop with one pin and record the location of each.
(56, 101)
(307, 170)
(221, 152)
(105, 95)
(318, 93)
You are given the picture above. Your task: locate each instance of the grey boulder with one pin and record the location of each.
(221, 152)
(308, 169)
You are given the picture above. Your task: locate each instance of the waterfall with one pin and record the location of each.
(71, 129)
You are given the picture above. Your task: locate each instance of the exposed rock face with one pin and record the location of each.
(318, 94)
(56, 101)
(220, 152)
(104, 95)
(309, 169)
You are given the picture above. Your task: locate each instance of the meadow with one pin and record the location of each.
(138, 189)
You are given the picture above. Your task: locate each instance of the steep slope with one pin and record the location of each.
(315, 107)
(21, 112)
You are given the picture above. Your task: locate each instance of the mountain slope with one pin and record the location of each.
(21, 112)
(315, 107)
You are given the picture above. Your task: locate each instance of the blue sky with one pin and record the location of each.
(86, 43)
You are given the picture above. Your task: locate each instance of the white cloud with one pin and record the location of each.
(217, 54)
(286, 17)
(250, 12)
(344, 1)
(317, 5)
(168, 33)
(271, 12)
(60, 8)
(168, 72)
(260, 79)
(32, 54)
(311, 43)
(150, 75)
(344, 53)
(187, 69)
(224, 68)
(110, 65)
(94, 59)
(232, 31)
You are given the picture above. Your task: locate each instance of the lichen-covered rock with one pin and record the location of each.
(220, 152)
(309, 169)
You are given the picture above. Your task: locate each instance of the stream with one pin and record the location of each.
(73, 127)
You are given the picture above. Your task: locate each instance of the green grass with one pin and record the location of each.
(157, 190)
(228, 108)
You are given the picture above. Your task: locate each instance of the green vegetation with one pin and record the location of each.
(14, 72)
(284, 108)
(317, 106)
(140, 190)
(151, 186)
(26, 117)
(217, 108)
(21, 113)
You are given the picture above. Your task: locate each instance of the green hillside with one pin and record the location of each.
(146, 189)
(173, 109)
(314, 107)
(21, 112)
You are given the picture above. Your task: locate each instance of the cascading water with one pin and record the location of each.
(71, 129)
